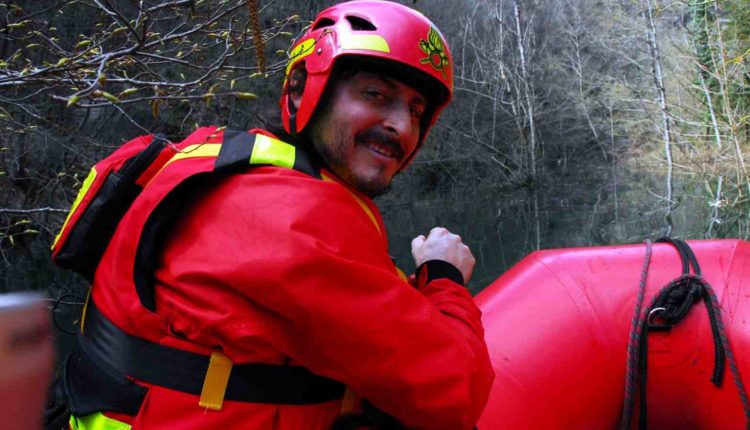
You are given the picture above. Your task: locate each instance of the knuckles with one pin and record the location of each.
(444, 245)
(441, 244)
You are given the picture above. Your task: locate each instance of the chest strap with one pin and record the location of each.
(118, 352)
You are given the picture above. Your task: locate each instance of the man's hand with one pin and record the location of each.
(441, 244)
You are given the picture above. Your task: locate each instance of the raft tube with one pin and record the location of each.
(557, 327)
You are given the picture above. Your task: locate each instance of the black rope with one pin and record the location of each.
(669, 307)
(687, 256)
(631, 370)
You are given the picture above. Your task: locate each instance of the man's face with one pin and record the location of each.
(368, 130)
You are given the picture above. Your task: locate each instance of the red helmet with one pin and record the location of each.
(390, 36)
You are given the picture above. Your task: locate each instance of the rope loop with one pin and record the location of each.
(678, 297)
(670, 306)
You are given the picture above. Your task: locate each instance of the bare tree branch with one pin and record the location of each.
(32, 211)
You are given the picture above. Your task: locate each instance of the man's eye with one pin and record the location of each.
(417, 112)
(374, 94)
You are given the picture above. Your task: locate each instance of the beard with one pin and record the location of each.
(335, 146)
(335, 158)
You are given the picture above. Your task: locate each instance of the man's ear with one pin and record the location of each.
(297, 79)
(296, 99)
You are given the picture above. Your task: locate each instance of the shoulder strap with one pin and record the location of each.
(238, 151)
(240, 148)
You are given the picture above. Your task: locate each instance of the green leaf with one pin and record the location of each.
(109, 97)
(128, 92)
(72, 100)
(82, 44)
(246, 96)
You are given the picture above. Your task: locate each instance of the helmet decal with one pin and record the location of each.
(435, 50)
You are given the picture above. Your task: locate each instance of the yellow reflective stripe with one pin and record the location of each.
(85, 309)
(301, 51)
(197, 150)
(97, 421)
(215, 384)
(368, 42)
(192, 151)
(81, 194)
(268, 150)
(361, 203)
(401, 274)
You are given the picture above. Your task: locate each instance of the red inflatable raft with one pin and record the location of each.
(557, 327)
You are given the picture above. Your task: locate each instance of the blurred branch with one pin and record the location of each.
(32, 211)
(175, 49)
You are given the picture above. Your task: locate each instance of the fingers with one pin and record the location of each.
(417, 242)
(441, 244)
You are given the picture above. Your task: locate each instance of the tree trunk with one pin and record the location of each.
(653, 45)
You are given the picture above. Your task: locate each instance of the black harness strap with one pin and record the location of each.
(119, 353)
(235, 151)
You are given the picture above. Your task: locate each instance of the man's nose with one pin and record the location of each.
(398, 120)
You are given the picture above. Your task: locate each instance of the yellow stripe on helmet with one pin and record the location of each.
(299, 52)
(369, 42)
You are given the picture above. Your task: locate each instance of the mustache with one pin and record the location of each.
(382, 137)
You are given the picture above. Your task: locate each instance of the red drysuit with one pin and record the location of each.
(274, 266)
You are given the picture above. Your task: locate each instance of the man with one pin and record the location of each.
(280, 273)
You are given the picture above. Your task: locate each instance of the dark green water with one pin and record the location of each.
(502, 226)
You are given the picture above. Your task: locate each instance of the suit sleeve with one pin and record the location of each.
(343, 312)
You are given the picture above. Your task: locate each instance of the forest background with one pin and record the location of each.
(574, 123)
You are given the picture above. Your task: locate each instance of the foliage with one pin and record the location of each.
(77, 78)
(558, 134)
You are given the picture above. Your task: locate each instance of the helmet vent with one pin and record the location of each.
(323, 22)
(360, 24)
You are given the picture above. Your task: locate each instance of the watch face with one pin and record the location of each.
(26, 359)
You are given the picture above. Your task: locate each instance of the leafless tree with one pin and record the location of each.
(79, 77)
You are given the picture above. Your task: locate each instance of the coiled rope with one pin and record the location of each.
(670, 306)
